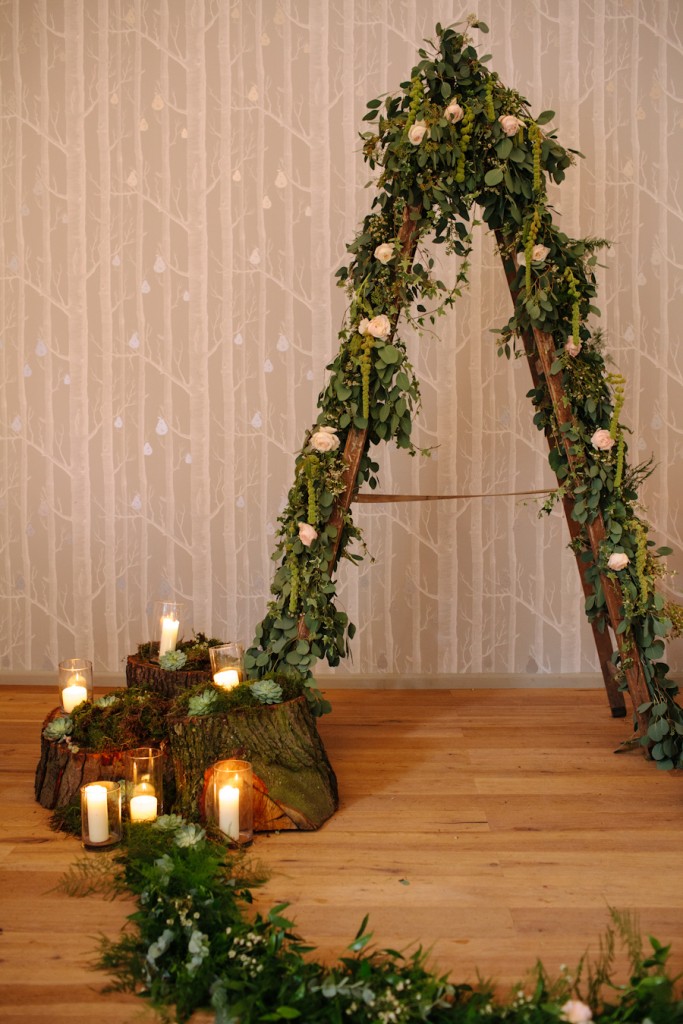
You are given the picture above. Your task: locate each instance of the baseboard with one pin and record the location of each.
(374, 680)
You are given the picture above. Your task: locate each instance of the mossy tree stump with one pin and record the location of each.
(148, 675)
(61, 772)
(295, 786)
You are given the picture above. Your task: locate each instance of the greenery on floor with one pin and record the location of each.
(193, 943)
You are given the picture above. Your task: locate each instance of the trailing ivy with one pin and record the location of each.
(451, 138)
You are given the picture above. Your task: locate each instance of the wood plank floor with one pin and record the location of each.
(492, 826)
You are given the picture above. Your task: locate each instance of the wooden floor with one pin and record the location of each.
(492, 826)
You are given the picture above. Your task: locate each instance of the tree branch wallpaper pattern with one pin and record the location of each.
(180, 179)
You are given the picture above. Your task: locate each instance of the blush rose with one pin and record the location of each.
(417, 132)
(384, 252)
(510, 124)
(618, 560)
(602, 440)
(307, 534)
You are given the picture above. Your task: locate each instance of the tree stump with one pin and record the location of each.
(60, 772)
(295, 786)
(145, 675)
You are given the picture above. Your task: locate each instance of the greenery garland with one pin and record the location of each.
(452, 137)
(191, 944)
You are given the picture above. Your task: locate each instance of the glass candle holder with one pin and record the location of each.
(168, 616)
(230, 800)
(144, 775)
(227, 664)
(75, 683)
(100, 814)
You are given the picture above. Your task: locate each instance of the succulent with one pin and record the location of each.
(267, 691)
(189, 835)
(168, 823)
(202, 703)
(59, 728)
(171, 661)
(106, 702)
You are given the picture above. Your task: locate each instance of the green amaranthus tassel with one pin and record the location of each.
(365, 369)
(617, 382)
(293, 587)
(416, 97)
(466, 129)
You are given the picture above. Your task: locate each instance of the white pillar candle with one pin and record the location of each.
(169, 634)
(143, 808)
(229, 811)
(74, 694)
(228, 678)
(98, 817)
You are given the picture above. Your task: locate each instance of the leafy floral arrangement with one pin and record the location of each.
(192, 944)
(453, 136)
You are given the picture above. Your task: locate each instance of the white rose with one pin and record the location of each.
(572, 348)
(618, 561)
(384, 252)
(510, 124)
(454, 112)
(379, 327)
(417, 132)
(324, 440)
(576, 1012)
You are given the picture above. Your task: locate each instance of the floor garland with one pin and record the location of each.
(192, 944)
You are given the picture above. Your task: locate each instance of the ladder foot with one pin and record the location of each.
(618, 712)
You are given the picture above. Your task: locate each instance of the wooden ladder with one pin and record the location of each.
(540, 352)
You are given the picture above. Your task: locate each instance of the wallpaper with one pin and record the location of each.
(180, 180)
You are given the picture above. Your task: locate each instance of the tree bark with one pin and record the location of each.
(145, 675)
(295, 786)
(61, 773)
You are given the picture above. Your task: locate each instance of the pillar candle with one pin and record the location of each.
(229, 811)
(98, 817)
(228, 678)
(169, 634)
(74, 694)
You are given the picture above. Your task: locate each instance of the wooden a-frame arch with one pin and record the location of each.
(452, 138)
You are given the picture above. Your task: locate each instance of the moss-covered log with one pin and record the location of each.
(296, 787)
(146, 675)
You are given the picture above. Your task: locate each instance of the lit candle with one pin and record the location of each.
(98, 818)
(143, 803)
(169, 634)
(228, 678)
(229, 811)
(74, 694)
